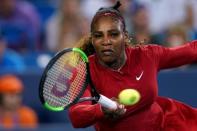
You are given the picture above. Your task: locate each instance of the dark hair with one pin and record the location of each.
(109, 11)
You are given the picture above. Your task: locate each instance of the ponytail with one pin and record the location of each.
(85, 44)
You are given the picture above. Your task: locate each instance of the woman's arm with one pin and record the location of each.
(176, 56)
(85, 114)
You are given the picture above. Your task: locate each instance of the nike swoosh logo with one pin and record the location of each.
(139, 77)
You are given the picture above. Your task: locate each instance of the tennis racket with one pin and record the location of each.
(65, 79)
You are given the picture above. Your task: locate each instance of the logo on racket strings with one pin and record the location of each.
(63, 83)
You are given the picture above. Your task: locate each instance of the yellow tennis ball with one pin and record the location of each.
(129, 97)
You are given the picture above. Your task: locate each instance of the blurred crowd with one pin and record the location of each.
(32, 30)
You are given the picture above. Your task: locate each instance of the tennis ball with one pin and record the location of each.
(129, 97)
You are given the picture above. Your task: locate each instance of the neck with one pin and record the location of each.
(116, 65)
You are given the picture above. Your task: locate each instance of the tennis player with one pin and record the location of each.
(115, 66)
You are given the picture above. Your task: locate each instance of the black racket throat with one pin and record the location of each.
(93, 91)
(93, 99)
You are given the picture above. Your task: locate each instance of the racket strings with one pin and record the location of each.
(78, 83)
(65, 80)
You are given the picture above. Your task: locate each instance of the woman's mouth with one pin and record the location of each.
(107, 52)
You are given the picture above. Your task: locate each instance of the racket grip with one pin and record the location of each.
(106, 102)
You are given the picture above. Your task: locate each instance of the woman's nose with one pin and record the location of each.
(106, 41)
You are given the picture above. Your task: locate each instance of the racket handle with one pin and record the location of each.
(106, 102)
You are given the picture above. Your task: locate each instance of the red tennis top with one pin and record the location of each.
(151, 113)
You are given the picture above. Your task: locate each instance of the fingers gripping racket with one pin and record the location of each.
(65, 79)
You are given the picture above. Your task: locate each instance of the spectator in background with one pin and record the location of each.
(9, 59)
(139, 21)
(140, 30)
(176, 36)
(63, 29)
(12, 112)
(165, 13)
(21, 24)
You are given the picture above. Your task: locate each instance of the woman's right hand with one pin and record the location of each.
(114, 114)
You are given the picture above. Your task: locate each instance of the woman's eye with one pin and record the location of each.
(114, 34)
(97, 35)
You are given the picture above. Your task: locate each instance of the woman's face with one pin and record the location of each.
(11, 101)
(108, 39)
